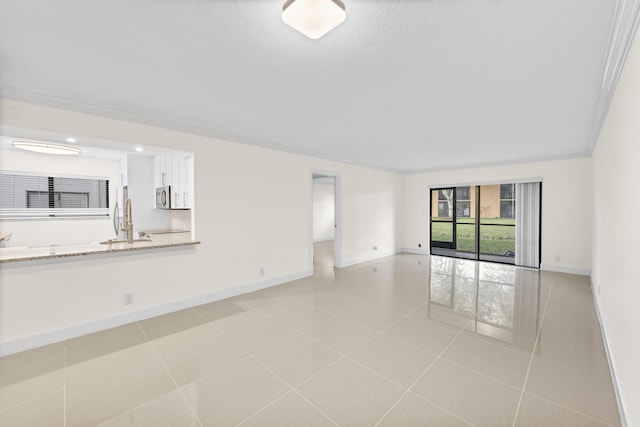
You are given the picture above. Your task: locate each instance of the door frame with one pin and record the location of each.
(445, 245)
(337, 216)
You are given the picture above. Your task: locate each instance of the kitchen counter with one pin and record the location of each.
(17, 254)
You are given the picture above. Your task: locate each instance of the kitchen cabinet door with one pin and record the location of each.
(185, 178)
(176, 188)
(124, 172)
(161, 170)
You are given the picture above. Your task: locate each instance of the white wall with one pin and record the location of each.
(323, 211)
(252, 211)
(616, 236)
(566, 207)
(60, 231)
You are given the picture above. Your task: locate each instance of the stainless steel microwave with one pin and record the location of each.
(163, 197)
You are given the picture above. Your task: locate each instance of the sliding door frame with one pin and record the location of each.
(453, 246)
(442, 245)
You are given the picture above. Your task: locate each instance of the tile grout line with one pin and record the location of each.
(244, 420)
(164, 365)
(440, 407)
(573, 370)
(142, 405)
(314, 405)
(533, 352)
(345, 355)
(32, 399)
(467, 368)
(306, 335)
(571, 410)
(291, 389)
(482, 374)
(51, 392)
(438, 357)
(382, 332)
(405, 389)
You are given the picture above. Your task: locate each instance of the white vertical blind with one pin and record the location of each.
(528, 224)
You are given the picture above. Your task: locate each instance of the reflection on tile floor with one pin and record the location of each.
(405, 340)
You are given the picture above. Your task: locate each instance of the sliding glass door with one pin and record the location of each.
(443, 224)
(466, 220)
(479, 222)
(453, 228)
(497, 223)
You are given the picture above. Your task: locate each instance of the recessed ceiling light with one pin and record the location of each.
(71, 140)
(45, 147)
(139, 149)
(313, 18)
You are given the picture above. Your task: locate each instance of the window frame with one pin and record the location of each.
(53, 213)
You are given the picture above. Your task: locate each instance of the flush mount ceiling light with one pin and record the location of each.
(45, 147)
(313, 18)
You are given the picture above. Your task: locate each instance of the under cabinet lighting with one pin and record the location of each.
(313, 18)
(45, 147)
(71, 140)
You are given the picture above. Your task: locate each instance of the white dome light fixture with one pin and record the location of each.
(313, 18)
(46, 148)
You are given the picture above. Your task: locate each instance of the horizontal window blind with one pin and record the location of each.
(34, 196)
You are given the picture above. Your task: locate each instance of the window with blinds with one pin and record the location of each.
(38, 196)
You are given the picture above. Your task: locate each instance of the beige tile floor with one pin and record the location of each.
(406, 340)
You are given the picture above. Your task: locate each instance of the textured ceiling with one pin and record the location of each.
(403, 85)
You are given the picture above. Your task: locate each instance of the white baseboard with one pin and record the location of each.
(354, 261)
(547, 267)
(324, 239)
(564, 269)
(38, 340)
(614, 377)
(415, 251)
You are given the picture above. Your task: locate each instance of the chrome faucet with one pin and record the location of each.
(128, 221)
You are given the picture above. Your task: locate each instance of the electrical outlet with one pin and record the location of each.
(261, 271)
(375, 248)
(557, 258)
(128, 299)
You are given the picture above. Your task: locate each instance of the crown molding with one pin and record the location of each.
(51, 101)
(623, 28)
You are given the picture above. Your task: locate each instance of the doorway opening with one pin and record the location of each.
(325, 219)
(498, 222)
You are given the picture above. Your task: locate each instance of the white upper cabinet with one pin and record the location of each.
(124, 172)
(160, 171)
(174, 171)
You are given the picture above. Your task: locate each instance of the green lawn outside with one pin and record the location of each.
(494, 239)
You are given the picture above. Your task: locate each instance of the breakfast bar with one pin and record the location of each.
(21, 254)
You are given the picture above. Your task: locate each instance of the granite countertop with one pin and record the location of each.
(16, 254)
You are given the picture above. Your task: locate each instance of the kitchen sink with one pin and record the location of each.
(111, 241)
